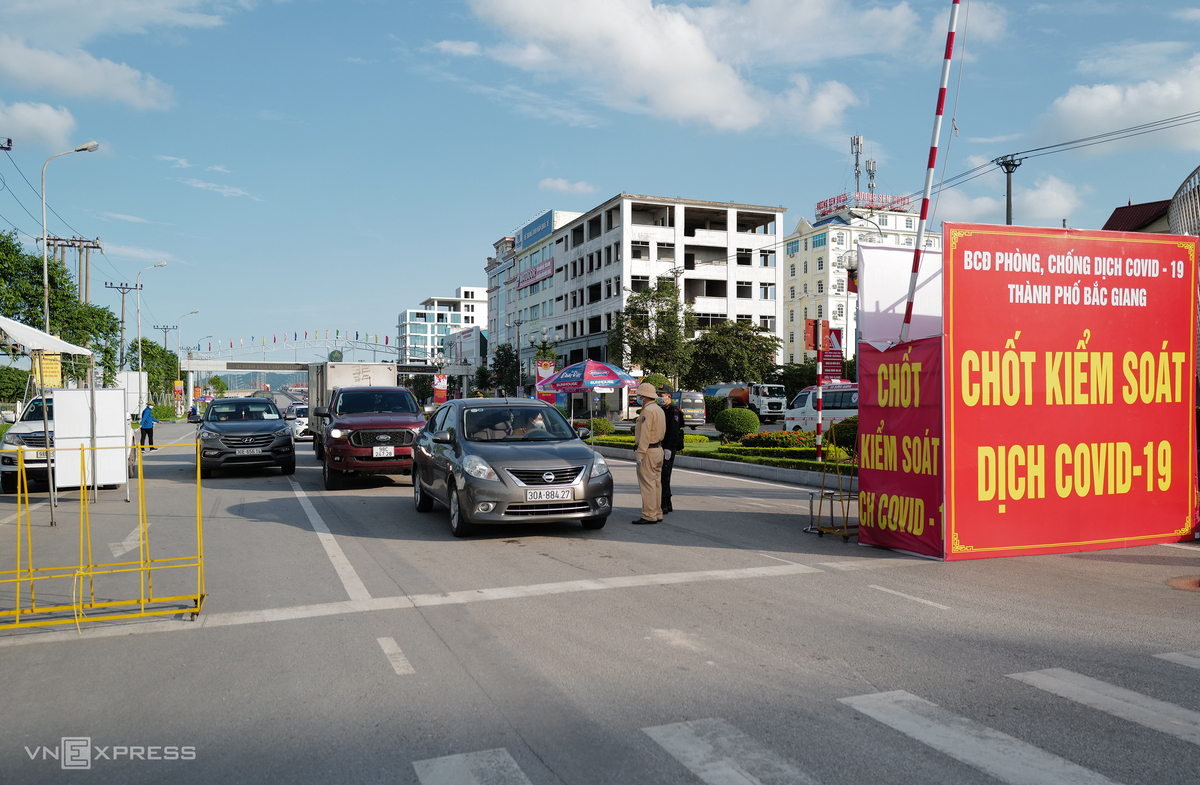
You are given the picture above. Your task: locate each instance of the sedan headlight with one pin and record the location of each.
(209, 435)
(337, 433)
(478, 467)
(599, 466)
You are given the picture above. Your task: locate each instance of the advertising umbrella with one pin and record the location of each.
(586, 376)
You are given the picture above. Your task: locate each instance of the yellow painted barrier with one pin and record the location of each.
(25, 611)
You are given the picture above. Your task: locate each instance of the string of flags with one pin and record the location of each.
(316, 335)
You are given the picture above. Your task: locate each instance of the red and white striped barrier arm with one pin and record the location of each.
(933, 147)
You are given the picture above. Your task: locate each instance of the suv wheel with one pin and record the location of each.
(289, 467)
(422, 500)
(334, 478)
(459, 527)
(318, 448)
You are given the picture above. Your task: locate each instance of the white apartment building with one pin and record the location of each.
(722, 254)
(421, 332)
(815, 257)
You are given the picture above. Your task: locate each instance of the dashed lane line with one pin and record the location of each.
(396, 657)
(720, 754)
(486, 767)
(345, 570)
(908, 596)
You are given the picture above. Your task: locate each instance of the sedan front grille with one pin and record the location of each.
(396, 438)
(241, 442)
(36, 440)
(546, 508)
(561, 476)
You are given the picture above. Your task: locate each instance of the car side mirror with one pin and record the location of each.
(289, 416)
(321, 411)
(442, 437)
(584, 433)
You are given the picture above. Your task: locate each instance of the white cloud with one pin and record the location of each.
(223, 190)
(814, 111)
(1187, 14)
(458, 48)
(1047, 203)
(1087, 110)
(954, 205)
(133, 219)
(40, 123)
(566, 186)
(523, 101)
(70, 23)
(178, 163)
(218, 168)
(1133, 60)
(78, 73)
(141, 254)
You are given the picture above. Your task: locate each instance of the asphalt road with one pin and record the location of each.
(722, 646)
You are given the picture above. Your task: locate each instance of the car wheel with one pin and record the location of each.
(459, 527)
(288, 468)
(318, 448)
(205, 474)
(595, 523)
(421, 500)
(334, 479)
(8, 481)
(795, 427)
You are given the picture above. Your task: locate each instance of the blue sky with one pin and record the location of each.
(315, 165)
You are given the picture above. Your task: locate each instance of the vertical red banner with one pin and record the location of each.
(900, 472)
(440, 386)
(545, 369)
(1069, 389)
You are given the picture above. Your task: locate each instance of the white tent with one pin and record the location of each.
(34, 340)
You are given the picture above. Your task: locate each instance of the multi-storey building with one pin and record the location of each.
(815, 257)
(421, 332)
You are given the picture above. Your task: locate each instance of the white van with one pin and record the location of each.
(838, 401)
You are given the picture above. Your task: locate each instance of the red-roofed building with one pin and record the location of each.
(1145, 217)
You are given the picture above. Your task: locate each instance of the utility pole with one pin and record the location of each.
(83, 263)
(124, 289)
(166, 328)
(856, 148)
(871, 167)
(1009, 164)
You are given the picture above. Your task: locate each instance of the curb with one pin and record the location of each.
(711, 465)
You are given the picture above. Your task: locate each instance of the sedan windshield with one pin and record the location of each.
(241, 411)
(34, 411)
(369, 401)
(515, 423)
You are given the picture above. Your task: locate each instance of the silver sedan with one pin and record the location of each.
(508, 461)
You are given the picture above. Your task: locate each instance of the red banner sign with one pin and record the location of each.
(545, 369)
(1070, 389)
(900, 447)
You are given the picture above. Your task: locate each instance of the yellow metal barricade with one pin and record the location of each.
(839, 497)
(25, 579)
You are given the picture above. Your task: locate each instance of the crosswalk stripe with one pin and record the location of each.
(720, 754)
(1117, 701)
(487, 767)
(1188, 658)
(994, 753)
(396, 657)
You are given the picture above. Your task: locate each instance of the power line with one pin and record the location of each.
(38, 194)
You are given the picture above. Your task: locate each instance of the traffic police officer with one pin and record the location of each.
(648, 435)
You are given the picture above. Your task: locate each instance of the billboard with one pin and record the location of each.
(535, 230)
(1069, 389)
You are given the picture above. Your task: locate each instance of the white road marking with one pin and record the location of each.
(909, 597)
(776, 558)
(1189, 658)
(994, 753)
(416, 600)
(132, 541)
(488, 767)
(1179, 545)
(871, 564)
(345, 570)
(678, 638)
(32, 507)
(396, 657)
(720, 754)
(1117, 701)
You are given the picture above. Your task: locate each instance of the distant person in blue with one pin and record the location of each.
(148, 421)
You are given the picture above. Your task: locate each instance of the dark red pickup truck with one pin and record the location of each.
(366, 430)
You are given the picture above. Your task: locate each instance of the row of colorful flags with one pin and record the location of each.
(316, 336)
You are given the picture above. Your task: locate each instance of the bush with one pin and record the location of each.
(602, 426)
(733, 424)
(657, 379)
(797, 453)
(163, 412)
(711, 407)
(792, 439)
(845, 435)
(695, 438)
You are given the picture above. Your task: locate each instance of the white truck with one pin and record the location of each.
(324, 378)
(768, 401)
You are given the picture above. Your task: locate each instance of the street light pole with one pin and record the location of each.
(517, 344)
(179, 357)
(90, 147)
(141, 365)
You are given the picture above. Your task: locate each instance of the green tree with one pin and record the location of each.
(732, 352)
(12, 383)
(21, 298)
(652, 331)
(506, 368)
(421, 385)
(796, 376)
(162, 365)
(484, 378)
(218, 385)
